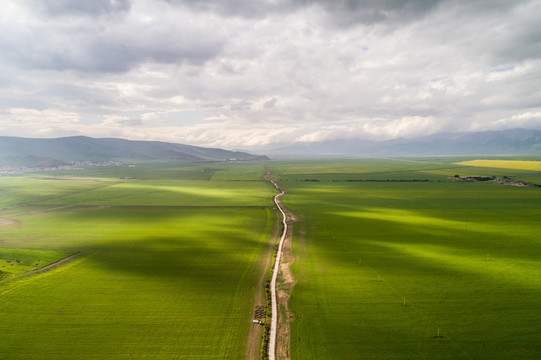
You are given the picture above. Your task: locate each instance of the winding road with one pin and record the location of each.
(274, 300)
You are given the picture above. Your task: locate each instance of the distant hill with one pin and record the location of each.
(517, 141)
(54, 152)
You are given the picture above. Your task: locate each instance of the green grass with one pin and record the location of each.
(168, 267)
(465, 257)
(20, 260)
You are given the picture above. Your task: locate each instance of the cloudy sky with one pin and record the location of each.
(256, 73)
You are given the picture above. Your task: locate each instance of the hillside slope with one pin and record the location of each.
(51, 152)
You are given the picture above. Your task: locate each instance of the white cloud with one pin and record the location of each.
(513, 71)
(527, 119)
(529, 115)
(29, 117)
(409, 126)
(243, 73)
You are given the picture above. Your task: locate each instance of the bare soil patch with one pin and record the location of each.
(9, 222)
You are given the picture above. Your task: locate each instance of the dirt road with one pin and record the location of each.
(280, 331)
(279, 340)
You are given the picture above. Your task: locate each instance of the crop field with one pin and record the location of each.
(167, 269)
(397, 261)
(505, 164)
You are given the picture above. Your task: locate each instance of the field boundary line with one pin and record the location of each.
(21, 279)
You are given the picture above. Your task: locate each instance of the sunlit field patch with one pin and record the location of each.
(505, 164)
(171, 193)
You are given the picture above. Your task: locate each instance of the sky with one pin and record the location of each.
(254, 74)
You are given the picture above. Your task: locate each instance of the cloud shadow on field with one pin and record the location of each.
(193, 264)
(216, 246)
(426, 246)
(480, 288)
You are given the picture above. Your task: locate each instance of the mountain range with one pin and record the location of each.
(510, 142)
(58, 151)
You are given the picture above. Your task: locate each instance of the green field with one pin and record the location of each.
(385, 261)
(168, 266)
(389, 253)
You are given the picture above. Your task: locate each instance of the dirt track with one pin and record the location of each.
(280, 330)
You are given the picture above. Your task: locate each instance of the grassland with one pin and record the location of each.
(169, 267)
(19, 260)
(385, 261)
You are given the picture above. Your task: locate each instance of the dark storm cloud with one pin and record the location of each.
(110, 55)
(119, 55)
(79, 7)
(345, 12)
(394, 13)
(244, 8)
(117, 45)
(106, 45)
(520, 43)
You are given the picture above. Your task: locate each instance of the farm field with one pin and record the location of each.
(391, 253)
(169, 265)
(505, 164)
